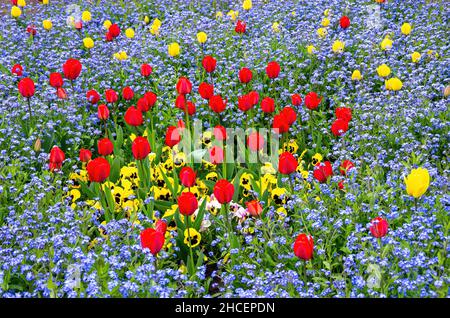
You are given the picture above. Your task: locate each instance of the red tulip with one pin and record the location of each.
(245, 75)
(140, 148)
(105, 147)
(172, 136)
(240, 27)
(339, 127)
(268, 105)
(161, 226)
(245, 103)
(280, 123)
(345, 166)
(254, 97)
(78, 25)
(296, 99)
(304, 246)
(98, 169)
(312, 101)
(379, 227)
(146, 70)
(216, 155)
(142, 105)
(341, 185)
(181, 125)
(56, 80)
(184, 86)
(254, 208)
(153, 240)
(17, 69)
(344, 22)
(102, 112)
(108, 37)
(255, 141)
(92, 96)
(187, 203)
(180, 102)
(190, 108)
(209, 63)
(217, 104)
(220, 133)
(344, 113)
(322, 171)
(26, 87)
(56, 158)
(287, 163)
(72, 69)
(223, 191)
(61, 93)
(111, 96)
(127, 93)
(85, 155)
(151, 98)
(114, 30)
(31, 29)
(273, 69)
(133, 116)
(206, 90)
(187, 176)
(290, 114)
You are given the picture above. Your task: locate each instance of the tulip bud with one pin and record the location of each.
(447, 91)
(37, 145)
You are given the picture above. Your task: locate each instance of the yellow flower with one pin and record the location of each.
(415, 57)
(338, 46)
(107, 24)
(279, 196)
(192, 238)
(247, 4)
(45, 1)
(146, 19)
(290, 146)
(383, 70)
(219, 14)
(406, 28)
(417, 182)
(233, 14)
(129, 33)
(326, 12)
(121, 55)
(294, 13)
(212, 176)
(245, 180)
(102, 230)
(317, 158)
(268, 168)
(86, 16)
(174, 49)
(276, 27)
(393, 84)
(386, 44)
(201, 37)
(322, 32)
(88, 43)
(21, 3)
(47, 24)
(356, 75)
(311, 49)
(325, 22)
(16, 12)
(157, 23)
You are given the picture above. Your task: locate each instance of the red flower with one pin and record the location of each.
(26, 87)
(254, 97)
(190, 108)
(181, 125)
(140, 148)
(92, 96)
(217, 104)
(268, 105)
(216, 155)
(344, 22)
(345, 166)
(161, 226)
(133, 116)
(322, 171)
(245, 75)
(209, 63)
(280, 123)
(17, 69)
(72, 69)
(85, 155)
(312, 101)
(245, 103)
(56, 80)
(304, 246)
(240, 27)
(273, 69)
(56, 158)
(343, 113)
(180, 102)
(111, 96)
(255, 141)
(341, 185)
(102, 112)
(32, 30)
(254, 208)
(220, 133)
(61, 93)
(78, 25)
(114, 30)
(98, 169)
(287, 163)
(127, 93)
(108, 37)
(290, 114)
(223, 191)
(187, 176)
(184, 86)
(187, 203)
(296, 99)
(379, 227)
(206, 90)
(105, 147)
(146, 70)
(339, 127)
(172, 136)
(151, 98)
(152, 239)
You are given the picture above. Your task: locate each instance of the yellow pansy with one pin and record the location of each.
(281, 212)
(325, 22)
(179, 159)
(247, 4)
(317, 158)
(201, 37)
(192, 237)
(173, 49)
(393, 84)
(107, 24)
(322, 32)
(279, 196)
(386, 44)
(212, 176)
(406, 28)
(102, 230)
(47, 24)
(311, 49)
(356, 75)
(290, 146)
(268, 168)
(417, 182)
(88, 43)
(129, 33)
(338, 46)
(383, 70)
(16, 12)
(244, 181)
(415, 57)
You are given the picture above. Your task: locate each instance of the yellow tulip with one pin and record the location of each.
(356, 75)
(47, 24)
(276, 27)
(21, 3)
(121, 56)
(157, 23)
(16, 12)
(146, 20)
(417, 182)
(326, 12)
(201, 37)
(415, 57)
(325, 22)
(393, 84)
(129, 33)
(322, 32)
(45, 1)
(386, 44)
(233, 14)
(338, 46)
(406, 28)
(86, 16)
(174, 49)
(88, 43)
(247, 4)
(107, 24)
(383, 70)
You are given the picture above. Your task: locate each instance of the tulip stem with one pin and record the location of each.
(186, 218)
(29, 109)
